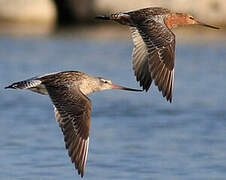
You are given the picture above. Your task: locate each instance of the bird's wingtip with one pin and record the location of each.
(81, 173)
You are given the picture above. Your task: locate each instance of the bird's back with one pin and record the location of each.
(57, 79)
(62, 77)
(151, 11)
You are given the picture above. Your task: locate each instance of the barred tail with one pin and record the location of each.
(121, 18)
(26, 84)
(115, 16)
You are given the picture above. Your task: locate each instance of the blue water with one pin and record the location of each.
(133, 135)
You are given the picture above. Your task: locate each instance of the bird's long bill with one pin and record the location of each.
(114, 86)
(207, 25)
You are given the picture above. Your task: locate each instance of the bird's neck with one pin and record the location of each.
(89, 86)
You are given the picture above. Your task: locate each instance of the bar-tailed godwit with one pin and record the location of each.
(68, 90)
(154, 44)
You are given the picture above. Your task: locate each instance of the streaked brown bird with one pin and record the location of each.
(72, 107)
(154, 44)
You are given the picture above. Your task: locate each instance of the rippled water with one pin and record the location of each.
(133, 135)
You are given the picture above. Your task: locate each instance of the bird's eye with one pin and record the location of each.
(105, 82)
(191, 17)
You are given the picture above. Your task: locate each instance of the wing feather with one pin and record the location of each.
(140, 62)
(156, 43)
(72, 111)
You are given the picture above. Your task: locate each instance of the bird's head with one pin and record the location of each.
(186, 19)
(105, 84)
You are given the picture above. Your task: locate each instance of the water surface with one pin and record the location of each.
(133, 135)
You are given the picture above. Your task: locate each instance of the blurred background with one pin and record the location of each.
(23, 17)
(133, 135)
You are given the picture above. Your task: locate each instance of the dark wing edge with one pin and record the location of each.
(158, 57)
(72, 112)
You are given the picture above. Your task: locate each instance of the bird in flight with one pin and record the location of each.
(72, 107)
(154, 44)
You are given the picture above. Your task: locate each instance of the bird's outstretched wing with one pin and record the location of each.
(140, 60)
(153, 55)
(72, 111)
